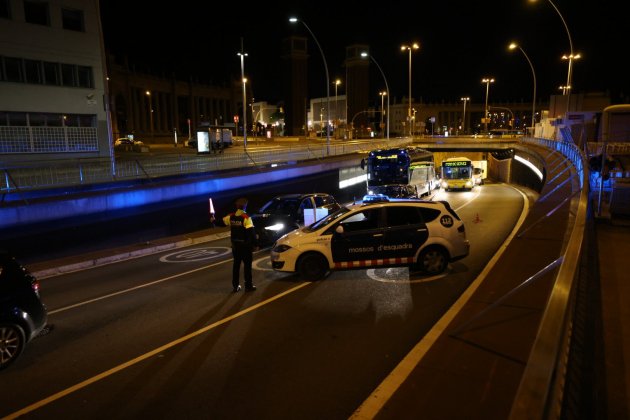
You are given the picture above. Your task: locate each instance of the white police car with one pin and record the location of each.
(424, 235)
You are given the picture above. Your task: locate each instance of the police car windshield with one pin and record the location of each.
(327, 220)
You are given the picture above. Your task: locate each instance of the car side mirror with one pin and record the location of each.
(339, 229)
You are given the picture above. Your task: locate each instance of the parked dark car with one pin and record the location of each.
(22, 314)
(394, 190)
(288, 212)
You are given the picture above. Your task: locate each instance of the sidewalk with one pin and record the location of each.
(44, 269)
(613, 241)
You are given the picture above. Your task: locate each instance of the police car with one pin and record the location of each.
(425, 235)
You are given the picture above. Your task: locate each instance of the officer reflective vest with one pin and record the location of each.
(240, 224)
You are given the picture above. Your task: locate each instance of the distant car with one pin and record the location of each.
(126, 140)
(22, 314)
(394, 190)
(288, 212)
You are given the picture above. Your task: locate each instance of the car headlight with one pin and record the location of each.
(281, 248)
(276, 227)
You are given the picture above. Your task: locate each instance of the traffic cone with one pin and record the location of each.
(477, 219)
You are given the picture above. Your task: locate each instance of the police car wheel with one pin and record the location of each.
(312, 266)
(433, 261)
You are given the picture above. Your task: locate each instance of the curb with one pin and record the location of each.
(122, 256)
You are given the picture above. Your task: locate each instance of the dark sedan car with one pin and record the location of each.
(22, 314)
(284, 213)
(395, 190)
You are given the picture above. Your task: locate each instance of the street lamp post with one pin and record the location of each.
(487, 81)
(409, 48)
(571, 53)
(148, 93)
(293, 20)
(244, 81)
(464, 100)
(336, 119)
(364, 54)
(570, 57)
(512, 46)
(383, 95)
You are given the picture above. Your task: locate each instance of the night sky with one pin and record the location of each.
(461, 42)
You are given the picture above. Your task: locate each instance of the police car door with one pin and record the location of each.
(405, 233)
(360, 239)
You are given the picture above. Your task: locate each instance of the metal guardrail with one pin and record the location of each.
(55, 174)
(540, 392)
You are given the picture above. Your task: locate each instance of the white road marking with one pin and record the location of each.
(373, 404)
(195, 254)
(147, 355)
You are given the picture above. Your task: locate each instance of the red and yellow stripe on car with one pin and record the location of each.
(372, 263)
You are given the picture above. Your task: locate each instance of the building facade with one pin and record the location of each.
(52, 82)
(152, 108)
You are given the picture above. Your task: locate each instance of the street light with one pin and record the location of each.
(364, 54)
(383, 95)
(566, 27)
(409, 48)
(464, 100)
(244, 81)
(148, 93)
(487, 81)
(293, 20)
(337, 83)
(570, 58)
(512, 46)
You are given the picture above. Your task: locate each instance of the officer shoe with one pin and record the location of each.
(237, 289)
(250, 288)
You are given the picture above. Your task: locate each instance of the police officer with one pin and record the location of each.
(243, 242)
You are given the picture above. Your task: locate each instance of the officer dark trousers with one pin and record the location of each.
(242, 253)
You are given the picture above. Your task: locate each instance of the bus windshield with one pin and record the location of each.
(457, 173)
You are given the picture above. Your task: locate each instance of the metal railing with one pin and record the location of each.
(56, 174)
(541, 388)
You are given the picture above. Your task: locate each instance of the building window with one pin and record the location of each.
(36, 12)
(72, 20)
(85, 77)
(68, 76)
(51, 74)
(33, 71)
(13, 69)
(5, 9)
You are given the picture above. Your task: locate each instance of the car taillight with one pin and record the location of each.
(35, 285)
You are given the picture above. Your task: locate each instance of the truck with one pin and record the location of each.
(480, 171)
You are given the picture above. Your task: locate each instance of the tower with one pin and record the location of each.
(357, 86)
(294, 56)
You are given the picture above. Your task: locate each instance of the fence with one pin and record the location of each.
(45, 174)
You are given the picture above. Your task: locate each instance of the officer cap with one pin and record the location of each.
(241, 203)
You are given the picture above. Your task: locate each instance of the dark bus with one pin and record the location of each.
(402, 166)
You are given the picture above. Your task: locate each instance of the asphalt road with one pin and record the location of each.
(162, 336)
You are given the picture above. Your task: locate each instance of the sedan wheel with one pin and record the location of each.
(312, 267)
(433, 261)
(12, 340)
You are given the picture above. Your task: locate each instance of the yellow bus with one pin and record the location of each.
(457, 173)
